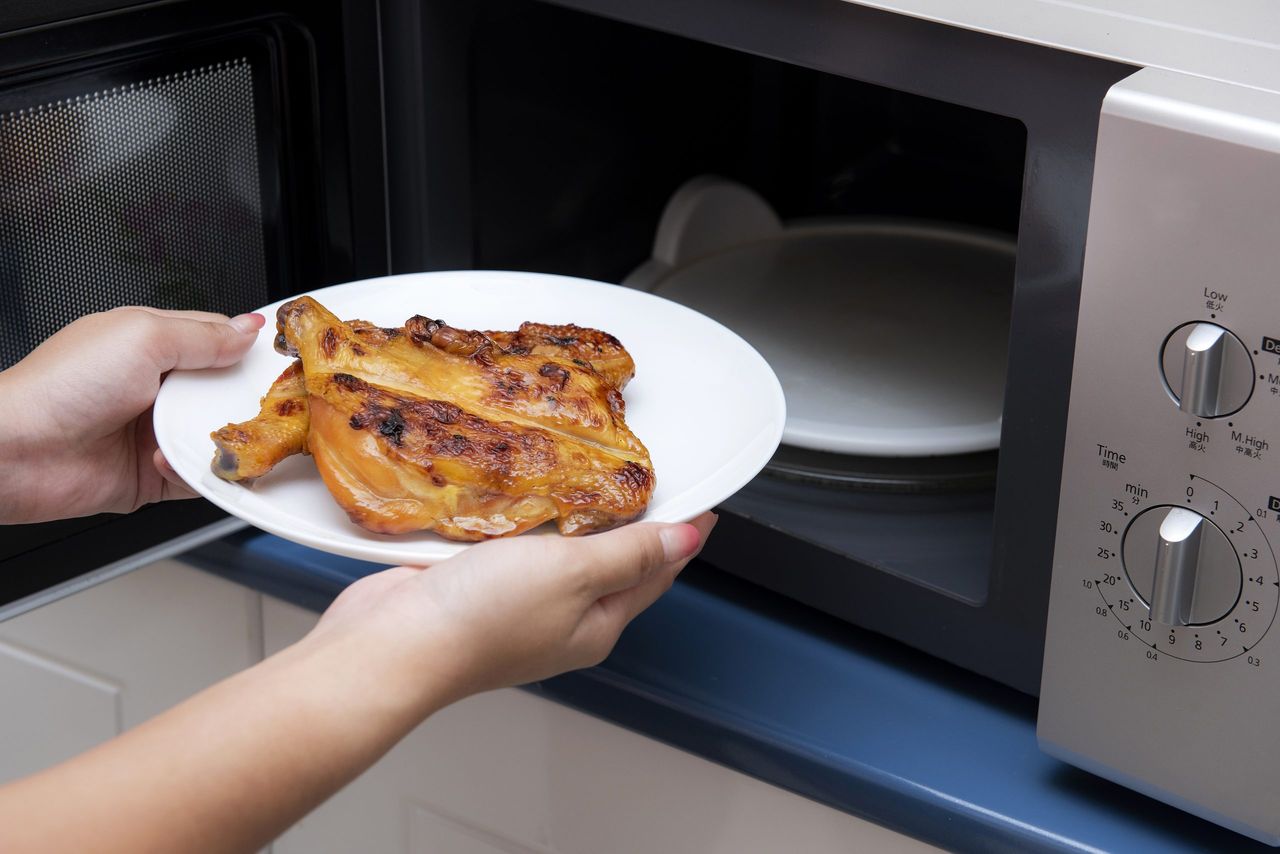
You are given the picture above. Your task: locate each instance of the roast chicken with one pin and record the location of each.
(469, 434)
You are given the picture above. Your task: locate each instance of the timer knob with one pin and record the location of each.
(1207, 369)
(1182, 566)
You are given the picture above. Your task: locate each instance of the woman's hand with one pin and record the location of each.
(511, 611)
(231, 768)
(76, 436)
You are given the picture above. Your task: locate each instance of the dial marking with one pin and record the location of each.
(1152, 635)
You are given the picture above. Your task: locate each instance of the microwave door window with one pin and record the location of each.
(143, 194)
(141, 184)
(214, 155)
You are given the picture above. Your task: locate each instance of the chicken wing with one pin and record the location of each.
(250, 449)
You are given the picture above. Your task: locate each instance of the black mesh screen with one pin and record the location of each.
(143, 194)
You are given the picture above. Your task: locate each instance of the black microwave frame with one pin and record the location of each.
(1056, 95)
(325, 206)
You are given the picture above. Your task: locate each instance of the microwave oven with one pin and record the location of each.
(1091, 194)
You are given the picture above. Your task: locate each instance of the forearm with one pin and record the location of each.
(233, 767)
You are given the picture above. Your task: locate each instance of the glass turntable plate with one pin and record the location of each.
(889, 337)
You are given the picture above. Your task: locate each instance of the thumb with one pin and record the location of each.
(187, 343)
(622, 606)
(622, 558)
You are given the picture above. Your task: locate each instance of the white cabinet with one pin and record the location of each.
(82, 669)
(500, 773)
(510, 772)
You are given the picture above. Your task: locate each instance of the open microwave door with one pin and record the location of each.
(194, 155)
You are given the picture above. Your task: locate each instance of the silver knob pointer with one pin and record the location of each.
(1202, 370)
(1177, 559)
(1184, 568)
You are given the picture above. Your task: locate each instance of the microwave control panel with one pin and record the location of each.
(1162, 655)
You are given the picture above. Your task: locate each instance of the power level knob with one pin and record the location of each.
(1182, 566)
(1207, 369)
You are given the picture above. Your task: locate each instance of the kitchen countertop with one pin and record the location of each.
(744, 678)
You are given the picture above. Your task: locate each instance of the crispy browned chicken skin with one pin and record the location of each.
(472, 435)
(250, 449)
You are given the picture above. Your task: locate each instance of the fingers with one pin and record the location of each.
(624, 605)
(174, 486)
(604, 622)
(187, 340)
(622, 558)
(704, 524)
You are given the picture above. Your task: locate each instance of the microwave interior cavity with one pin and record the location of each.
(896, 204)
(577, 162)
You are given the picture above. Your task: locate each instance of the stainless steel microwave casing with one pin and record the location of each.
(1184, 228)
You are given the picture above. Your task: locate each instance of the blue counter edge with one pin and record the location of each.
(865, 725)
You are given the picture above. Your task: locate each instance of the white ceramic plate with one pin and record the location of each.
(706, 404)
